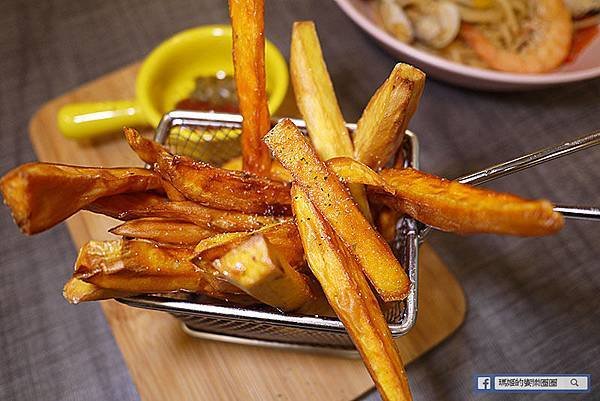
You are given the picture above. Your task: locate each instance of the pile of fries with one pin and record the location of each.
(297, 232)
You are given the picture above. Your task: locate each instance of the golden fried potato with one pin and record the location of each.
(140, 205)
(76, 291)
(351, 297)
(225, 189)
(452, 206)
(380, 129)
(212, 186)
(283, 237)
(162, 230)
(41, 195)
(317, 102)
(278, 172)
(333, 201)
(248, 24)
(256, 267)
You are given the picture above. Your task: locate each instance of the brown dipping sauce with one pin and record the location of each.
(213, 93)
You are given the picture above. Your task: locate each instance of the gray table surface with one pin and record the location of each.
(533, 303)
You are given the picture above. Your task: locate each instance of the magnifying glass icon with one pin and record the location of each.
(574, 382)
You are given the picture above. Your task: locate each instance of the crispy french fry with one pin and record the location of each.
(225, 189)
(165, 231)
(351, 297)
(146, 149)
(137, 266)
(247, 22)
(41, 195)
(315, 95)
(331, 198)
(451, 206)
(386, 223)
(255, 267)
(317, 102)
(381, 127)
(278, 173)
(213, 186)
(140, 205)
(142, 260)
(76, 291)
(172, 193)
(283, 237)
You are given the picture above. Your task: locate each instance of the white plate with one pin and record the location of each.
(586, 66)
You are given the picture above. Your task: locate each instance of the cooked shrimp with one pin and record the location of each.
(547, 45)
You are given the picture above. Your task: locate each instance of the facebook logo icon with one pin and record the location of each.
(484, 383)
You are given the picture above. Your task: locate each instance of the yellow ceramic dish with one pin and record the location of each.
(167, 76)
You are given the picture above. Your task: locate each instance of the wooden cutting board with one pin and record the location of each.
(165, 363)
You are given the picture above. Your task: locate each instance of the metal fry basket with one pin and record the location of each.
(214, 138)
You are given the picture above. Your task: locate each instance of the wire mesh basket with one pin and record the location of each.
(215, 138)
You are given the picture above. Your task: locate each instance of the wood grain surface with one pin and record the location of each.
(165, 363)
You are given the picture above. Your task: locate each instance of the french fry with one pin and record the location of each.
(278, 173)
(255, 267)
(142, 260)
(333, 201)
(283, 237)
(212, 186)
(76, 291)
(165, 231)
(315, 95)
(172, 193)
(248, 25)
(351, 298)
(386, 223)
(317, 102)
(140, 205)
(143, 267)
(381, 127)
(41, 195)
(452, 206)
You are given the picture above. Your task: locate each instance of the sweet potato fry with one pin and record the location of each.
(283, 237)
(278, 173)
(225, 189)
(165, 231)
(41, 195)
(317, 102)
(172, 193)
(256, 267)
(332, 199)
(76, 291)
(451, 206)
(315, 95)
(140, 205)
(381, 127)
(212, 186)
(136, 266)
(351, 297)
(248, 24)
